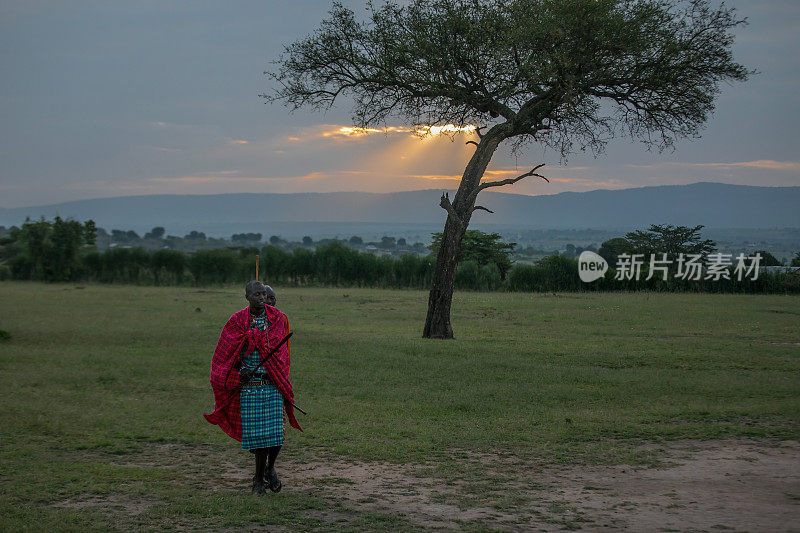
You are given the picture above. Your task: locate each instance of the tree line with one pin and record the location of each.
(64, 250)
(157, 238)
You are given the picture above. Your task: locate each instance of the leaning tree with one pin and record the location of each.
(566, 74)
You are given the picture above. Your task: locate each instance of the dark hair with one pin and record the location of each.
(251, 285)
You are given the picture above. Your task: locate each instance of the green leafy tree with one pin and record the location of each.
(672, 240)
(767, 259)
(611, 249)
(195, 235)
(567, 74)
(482, 248)
(795, 260)
(66, 239)
(90, 232)
(122, 236)
(50, 251)
(155, 233)
(35, 238)
(246, 238)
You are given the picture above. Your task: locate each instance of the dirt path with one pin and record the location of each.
(739, 485)
(715, 485)
(729, 485)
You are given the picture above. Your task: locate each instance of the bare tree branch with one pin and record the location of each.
(445, 204)
(481, 208)
(509, 181)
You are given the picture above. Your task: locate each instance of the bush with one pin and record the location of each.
(216, 267)
(471, 276)
(553, 273)
(168, 267)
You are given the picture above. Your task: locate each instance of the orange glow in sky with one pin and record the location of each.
(446, 129)
(348, 131)
(351, 131)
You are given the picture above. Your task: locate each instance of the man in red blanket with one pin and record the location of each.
(250, 399)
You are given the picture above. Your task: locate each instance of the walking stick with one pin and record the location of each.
(256, 267)
(270, 354)
(285, 339)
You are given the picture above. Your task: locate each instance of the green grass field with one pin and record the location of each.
(104, 387)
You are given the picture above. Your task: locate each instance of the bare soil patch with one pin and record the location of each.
(735, 484)
(112, 503)
(714, 485)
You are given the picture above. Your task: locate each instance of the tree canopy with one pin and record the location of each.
(566, 73)
(669, 239)
(658, 239)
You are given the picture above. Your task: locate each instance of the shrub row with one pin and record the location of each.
(337, 265)
(333, 264)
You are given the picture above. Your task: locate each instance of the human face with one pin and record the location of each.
(257, 297)
(271, 298)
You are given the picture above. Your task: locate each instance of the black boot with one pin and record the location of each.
(258, 479)
(270, 475)
(273, 482)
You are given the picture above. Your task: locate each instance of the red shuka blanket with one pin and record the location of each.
(225, 377)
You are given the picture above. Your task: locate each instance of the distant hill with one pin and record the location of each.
(715, 205)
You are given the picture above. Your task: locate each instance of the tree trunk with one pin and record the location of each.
(437, 323)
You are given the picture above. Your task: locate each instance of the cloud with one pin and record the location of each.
(340, 133)
(231, 177)
(436, 177)
(172, 125)
(337, 133)
(106, 186)
(761, 163)
(768, 164)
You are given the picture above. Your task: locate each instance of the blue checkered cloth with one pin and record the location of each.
(262, 404)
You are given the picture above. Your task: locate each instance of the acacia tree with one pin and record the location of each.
(566, 74)
(670, 240)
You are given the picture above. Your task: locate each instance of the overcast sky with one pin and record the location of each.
(104, 98)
